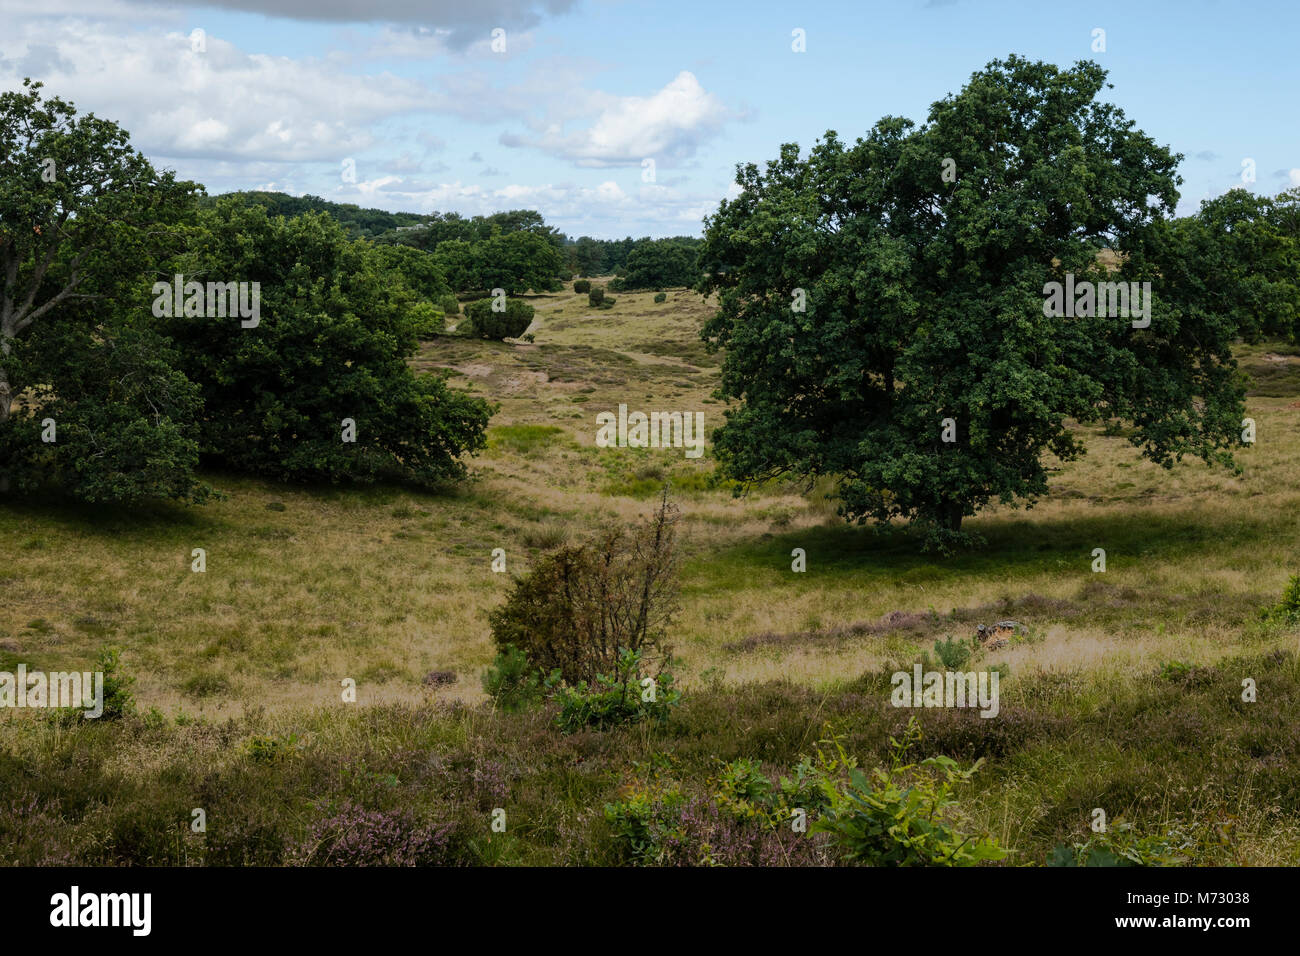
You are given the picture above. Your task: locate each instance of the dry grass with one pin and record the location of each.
(307, 586)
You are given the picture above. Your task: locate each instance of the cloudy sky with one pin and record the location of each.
(615, 118)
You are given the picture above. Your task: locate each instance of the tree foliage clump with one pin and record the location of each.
(103, 414)
(482, 322)
(119, 423)
(1240, 255)
(320, 388)
(597, 299)
(882, 304)
(659, 264)
(111, 393)
(513, 261)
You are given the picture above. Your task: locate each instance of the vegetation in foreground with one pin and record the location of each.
(1185, 770)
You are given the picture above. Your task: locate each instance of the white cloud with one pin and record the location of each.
(221, 103)
(231, 119)
(667, 126)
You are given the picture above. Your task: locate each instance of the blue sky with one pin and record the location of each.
(283, 94)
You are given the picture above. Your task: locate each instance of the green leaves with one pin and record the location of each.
(904, 816)
(886, 326)
(659, 263)
(339, 323)
(510, 323)
(1120, 845)
(615, 699)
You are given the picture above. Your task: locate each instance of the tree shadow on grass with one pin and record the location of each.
(27, 515)
(1015, 546)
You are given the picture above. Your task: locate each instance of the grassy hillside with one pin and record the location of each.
(1124, 694)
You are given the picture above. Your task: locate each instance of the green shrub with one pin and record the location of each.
(744, 792)
(582, 605)
(644, 821)
(623, 697)
(118, 699)
(482, 322)
(263, 748)
(582, 285)
(903, 816)
(428, 320)
(1288, 611)
(273, 399)
(597, 299)
(661, 296)
(449, 304)
(953, 654)
(511, 681)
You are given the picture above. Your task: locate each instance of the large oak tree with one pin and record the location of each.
(920, 256)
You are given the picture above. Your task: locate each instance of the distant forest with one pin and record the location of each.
(643, 263)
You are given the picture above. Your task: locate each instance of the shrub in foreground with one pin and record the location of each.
(582, 607)
(624, 697)
(511, 681)
(905, 815)
(355, 836)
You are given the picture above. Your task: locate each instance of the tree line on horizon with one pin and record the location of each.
(468, 248)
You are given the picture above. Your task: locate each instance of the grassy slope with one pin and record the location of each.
(307, 586)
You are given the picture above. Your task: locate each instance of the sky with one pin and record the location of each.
(618, 118)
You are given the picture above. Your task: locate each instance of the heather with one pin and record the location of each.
(1186, 771)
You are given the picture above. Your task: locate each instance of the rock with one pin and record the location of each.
(993, 636)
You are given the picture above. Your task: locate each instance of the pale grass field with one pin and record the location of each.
(384, 585)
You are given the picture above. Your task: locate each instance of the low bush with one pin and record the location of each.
(484, 323)
(952, 653)
(624, 697)
(354, 836)
(582, 285)
(905, 815)
(512, 681)
(582, 606)
(118, 700)
(1287, 611)
(657, 824)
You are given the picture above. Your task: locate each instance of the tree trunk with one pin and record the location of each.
(6, 402)
(950, 515)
